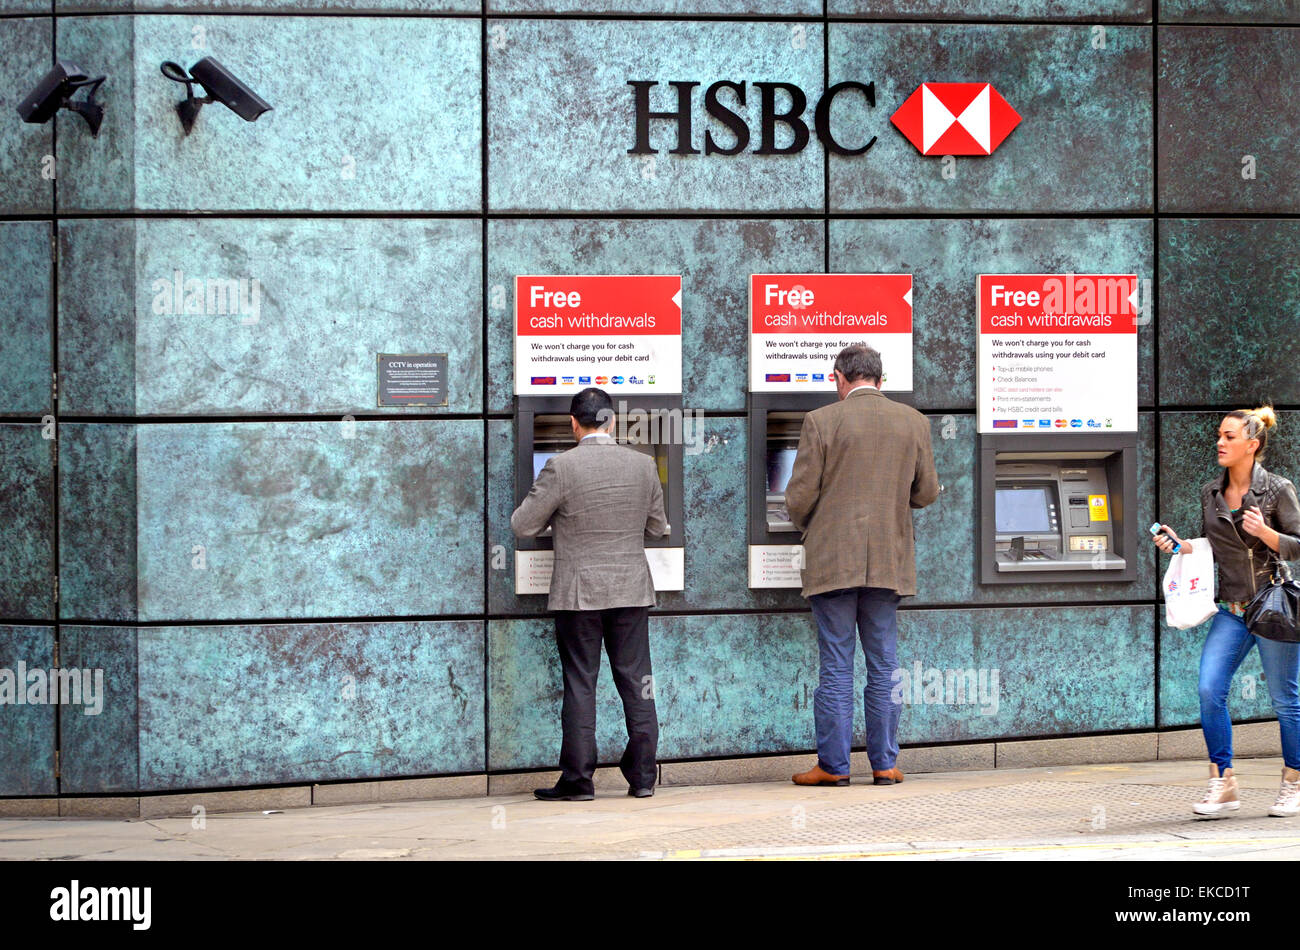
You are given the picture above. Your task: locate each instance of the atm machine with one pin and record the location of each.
(775, 544)
(1061, 506)
(640, 371)
(783, 388)
(1057, 474)
(542, 431)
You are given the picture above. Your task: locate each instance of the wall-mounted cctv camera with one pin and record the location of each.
(220, 84)
(55, 92)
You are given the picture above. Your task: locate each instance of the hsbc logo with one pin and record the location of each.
(938, 118)
(768, 117)
(956, 118)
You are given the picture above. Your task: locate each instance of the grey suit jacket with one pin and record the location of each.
(603, 500)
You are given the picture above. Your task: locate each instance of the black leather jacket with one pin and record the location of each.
(1245, 562)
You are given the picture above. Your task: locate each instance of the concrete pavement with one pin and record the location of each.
(1133, 811)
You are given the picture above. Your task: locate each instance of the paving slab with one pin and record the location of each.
(1125, 811)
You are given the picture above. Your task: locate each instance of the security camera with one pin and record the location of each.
(55, 92)
(220, 84)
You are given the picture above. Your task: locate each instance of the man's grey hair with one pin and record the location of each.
(859, 362)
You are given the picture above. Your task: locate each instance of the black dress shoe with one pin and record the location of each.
(558, 794)
(640, 792)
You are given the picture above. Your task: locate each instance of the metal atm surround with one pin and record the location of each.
(1117, 452)
(761, 407)
(528, 408)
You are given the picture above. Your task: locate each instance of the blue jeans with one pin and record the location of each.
(871, 613)
(1226, 646)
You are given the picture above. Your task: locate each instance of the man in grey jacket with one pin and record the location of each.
(602, 501)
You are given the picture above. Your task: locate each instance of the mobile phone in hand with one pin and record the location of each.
(1156, 532)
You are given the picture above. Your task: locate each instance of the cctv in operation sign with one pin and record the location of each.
(1057, 352)
(798, 323)
(619, 332)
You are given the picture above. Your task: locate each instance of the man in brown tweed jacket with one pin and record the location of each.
(863, 464)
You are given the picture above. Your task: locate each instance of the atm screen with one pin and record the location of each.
(780, 462)
(539, 462)
(1022, 511)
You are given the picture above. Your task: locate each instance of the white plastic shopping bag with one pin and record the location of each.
(1189, 586)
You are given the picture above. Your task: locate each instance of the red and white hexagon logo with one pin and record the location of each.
(955, 118)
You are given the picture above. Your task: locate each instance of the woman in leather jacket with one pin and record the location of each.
(1251, 518)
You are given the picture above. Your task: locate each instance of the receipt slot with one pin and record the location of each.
(799, 323)
(1057, 509)
(620, 333)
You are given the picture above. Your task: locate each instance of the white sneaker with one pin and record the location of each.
(1221, 796)
(1288, 798)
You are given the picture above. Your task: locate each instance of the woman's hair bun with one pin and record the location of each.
(1266, 415)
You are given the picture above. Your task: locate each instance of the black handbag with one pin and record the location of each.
(1272, 612)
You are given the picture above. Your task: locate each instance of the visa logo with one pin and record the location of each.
(567, 380)
(801, 377)
(1026, 423)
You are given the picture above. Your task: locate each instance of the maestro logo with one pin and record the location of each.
(939, 118)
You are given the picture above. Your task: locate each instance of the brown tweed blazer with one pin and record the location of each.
(863, 464)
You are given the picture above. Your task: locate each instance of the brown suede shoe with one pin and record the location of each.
(888, 777)
(818, 776)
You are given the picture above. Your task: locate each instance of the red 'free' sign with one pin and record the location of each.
(575, 330)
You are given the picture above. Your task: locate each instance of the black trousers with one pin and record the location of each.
(626, 634)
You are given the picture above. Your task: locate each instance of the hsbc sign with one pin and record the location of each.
(938, 118)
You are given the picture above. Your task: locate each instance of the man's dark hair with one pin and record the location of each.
(592, 408)
(858, 363)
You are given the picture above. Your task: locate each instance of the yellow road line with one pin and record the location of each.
(840, 855)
